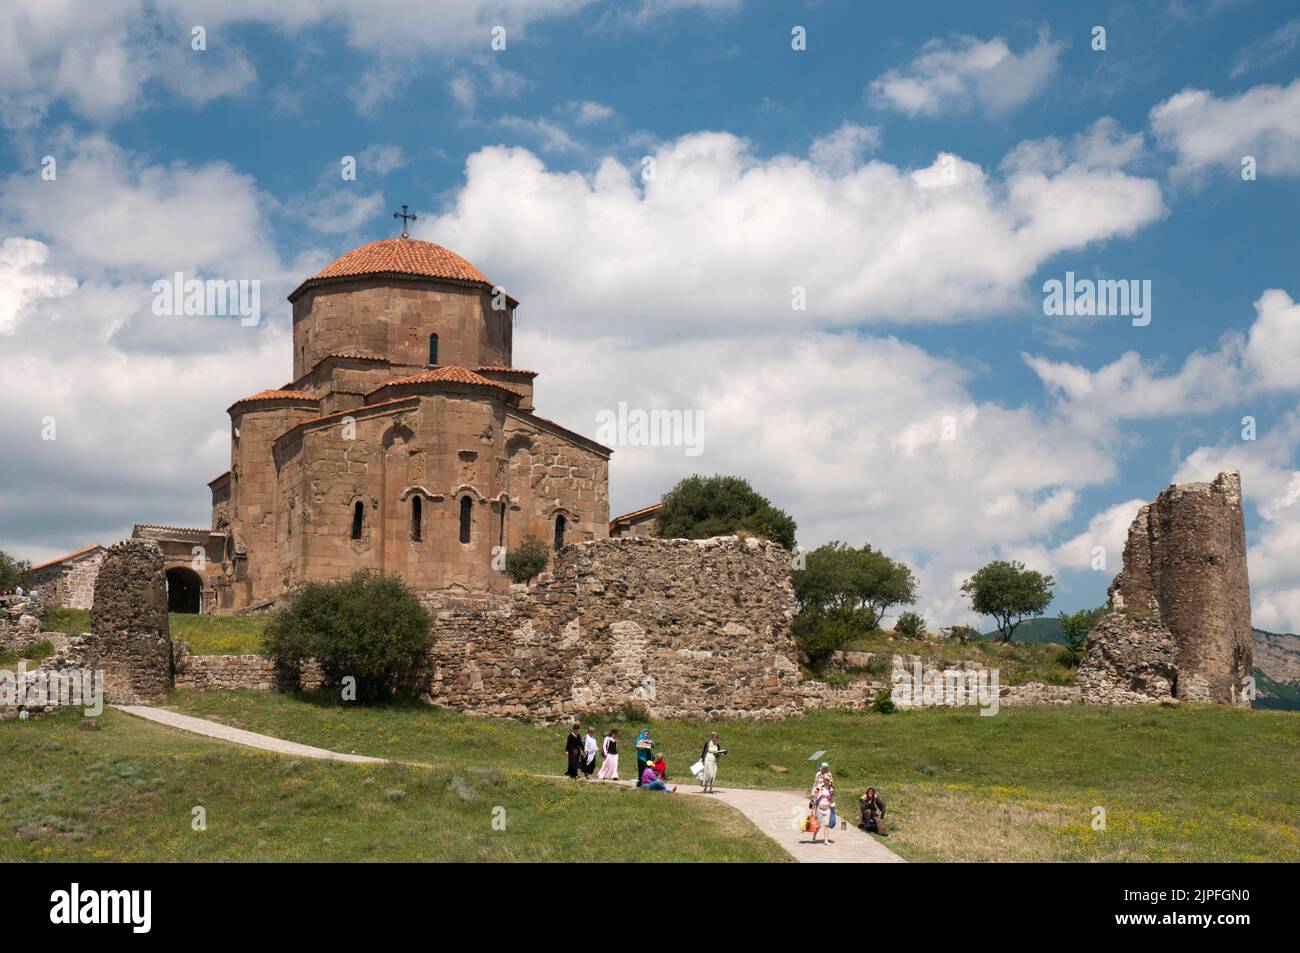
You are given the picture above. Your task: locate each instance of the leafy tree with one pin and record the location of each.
(371, 628)
(699, 507)
(843, 593)
(911, 624)
(1075, 626)
(13, 572)
(1009, 592)
(838, 578)
(529, 559)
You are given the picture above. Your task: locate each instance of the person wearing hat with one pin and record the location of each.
(823, 781)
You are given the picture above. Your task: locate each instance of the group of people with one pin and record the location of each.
(822, 814)
(651, 767)
(652, 775)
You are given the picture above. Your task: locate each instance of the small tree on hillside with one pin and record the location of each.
(1009, 592)
(843, 593)
(699, 507)
(13, 572)
(911, 624)
(1075, 626)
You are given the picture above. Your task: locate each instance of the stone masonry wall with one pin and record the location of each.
(681, 628)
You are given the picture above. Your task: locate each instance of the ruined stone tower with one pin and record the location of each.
(129, 635)
(1181, 603)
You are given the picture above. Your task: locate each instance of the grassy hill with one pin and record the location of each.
(127, 792)
(1021, 785)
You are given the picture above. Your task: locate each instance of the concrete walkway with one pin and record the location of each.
(778, 813)
(250, 739)
(775, 813)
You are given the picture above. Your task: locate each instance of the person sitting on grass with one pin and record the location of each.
(872, 811)
(660, 767)
(651, 782)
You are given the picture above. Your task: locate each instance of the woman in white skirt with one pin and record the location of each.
(609, 767)
(709, 757)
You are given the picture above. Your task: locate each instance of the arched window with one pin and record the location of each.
(433, 349)
(358, 519)
(466, 517)
(559, 532)
(417, 517)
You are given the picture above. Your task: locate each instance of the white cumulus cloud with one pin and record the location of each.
(964, 73)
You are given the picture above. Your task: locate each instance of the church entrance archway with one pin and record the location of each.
(184, 590)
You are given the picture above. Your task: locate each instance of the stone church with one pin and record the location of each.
(407, 443)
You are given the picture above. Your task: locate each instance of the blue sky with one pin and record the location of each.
(821, 168)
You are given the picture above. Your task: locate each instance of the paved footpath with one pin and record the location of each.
(250, 739)
(775, 813)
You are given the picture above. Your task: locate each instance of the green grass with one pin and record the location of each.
(206, 634)
(219, 634)
(33, 653)
(1189, 783)
(127, 793)
(1016, 662)
(68, 621)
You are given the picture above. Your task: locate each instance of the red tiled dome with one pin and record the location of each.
(399, 256)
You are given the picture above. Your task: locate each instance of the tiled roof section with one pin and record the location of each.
(403, 256)
(635, 513)
(276, 395)
(355, 355)
(507, 370)
(450, 374)
(219, 477)
(149, 528)
(64, 559)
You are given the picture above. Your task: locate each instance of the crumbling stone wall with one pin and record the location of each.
(21, 623)
(680, 628)
(1180, 621)
(129, 635)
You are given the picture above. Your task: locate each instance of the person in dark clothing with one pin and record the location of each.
(573, 748)
(872, 813)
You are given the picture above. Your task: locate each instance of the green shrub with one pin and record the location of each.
(884, 702)
(964, 634)
(371, 628)
(818, 634)
(528, 560)
(911, 624)
(699, 507)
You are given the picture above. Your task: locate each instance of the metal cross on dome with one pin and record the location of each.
(404, 216)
